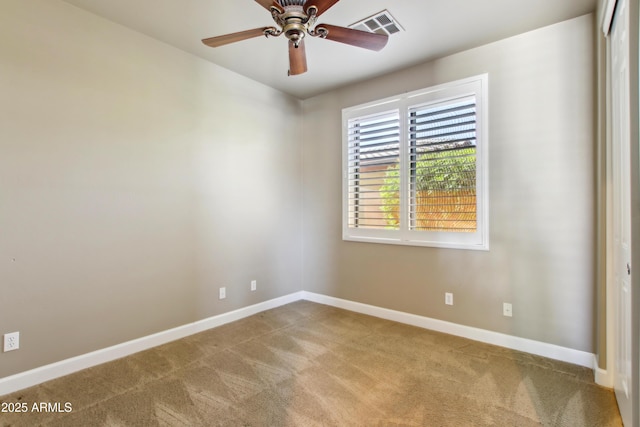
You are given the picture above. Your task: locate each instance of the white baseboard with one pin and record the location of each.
(65, 367)
(603, 377)
(551, 351)
(68, 366)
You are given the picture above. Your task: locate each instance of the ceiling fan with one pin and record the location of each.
(296, 19)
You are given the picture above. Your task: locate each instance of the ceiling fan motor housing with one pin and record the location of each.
(294, 21)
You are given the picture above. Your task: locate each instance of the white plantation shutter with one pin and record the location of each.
(373, 147)
(415, 168)
(442, 166)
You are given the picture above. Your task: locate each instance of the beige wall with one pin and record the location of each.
(541, 155)
(135, 180)
(120, 214)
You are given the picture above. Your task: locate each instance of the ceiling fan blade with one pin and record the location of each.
(268, 3)
(234, 37)
(371, 41)
(321, 5)
(297, 58)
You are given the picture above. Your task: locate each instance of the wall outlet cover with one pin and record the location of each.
(507, 309)
(11, 341)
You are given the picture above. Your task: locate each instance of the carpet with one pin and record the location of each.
(307, 364)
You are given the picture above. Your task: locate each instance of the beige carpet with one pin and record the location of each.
(307, 364)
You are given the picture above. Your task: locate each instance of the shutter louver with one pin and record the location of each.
(442, 166)
(373, 171)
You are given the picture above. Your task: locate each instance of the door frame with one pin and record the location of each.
(607, 14)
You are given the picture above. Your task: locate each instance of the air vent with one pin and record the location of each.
(381, 23)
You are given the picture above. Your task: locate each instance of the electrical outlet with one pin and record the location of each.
(448, 298)
(507, 309)
(223, 293)
(11, 341)
(254, 285)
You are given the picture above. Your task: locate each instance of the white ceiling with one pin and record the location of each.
(434, 28)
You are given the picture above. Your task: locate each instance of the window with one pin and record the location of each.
(414, 168)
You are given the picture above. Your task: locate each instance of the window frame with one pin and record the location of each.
(477, 87)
